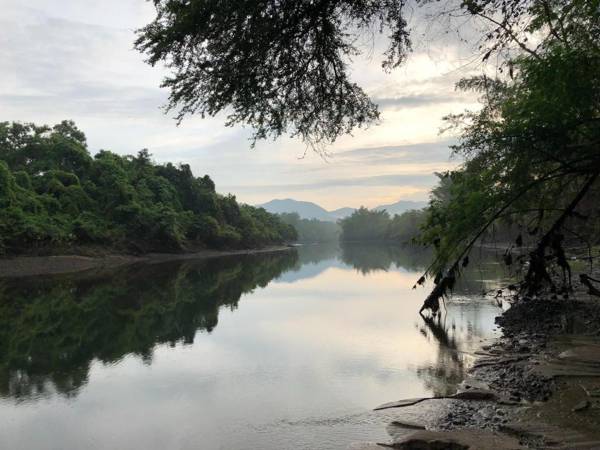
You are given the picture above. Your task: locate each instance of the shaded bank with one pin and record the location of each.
(24, 266)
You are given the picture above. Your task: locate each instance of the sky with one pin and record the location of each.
(74, 59)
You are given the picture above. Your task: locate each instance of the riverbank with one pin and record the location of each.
(25, 266)
(536, 386)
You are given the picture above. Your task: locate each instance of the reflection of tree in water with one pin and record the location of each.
(370, 257)
(483, 274)
(53, 328)
(443, 376)
(315, 253)
(447, 372)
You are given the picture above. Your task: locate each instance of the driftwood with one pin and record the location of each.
(473, 394)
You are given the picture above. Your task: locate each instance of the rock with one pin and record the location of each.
(411, 425)
(487, 412)
(457, 440)
(365, 446)
(581, 406)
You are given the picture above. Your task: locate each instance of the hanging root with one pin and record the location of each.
(537, 275)
(445, 284)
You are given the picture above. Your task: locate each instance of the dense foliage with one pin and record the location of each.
(532, 156)
(312, 230)
(373, 225)
(54, 193)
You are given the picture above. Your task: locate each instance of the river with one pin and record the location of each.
(289, 350)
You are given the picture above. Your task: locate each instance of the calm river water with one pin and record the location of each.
(289, 350)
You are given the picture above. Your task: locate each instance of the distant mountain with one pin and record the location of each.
(306, 210)
(341, 213)
(309, 210)
(401, 206)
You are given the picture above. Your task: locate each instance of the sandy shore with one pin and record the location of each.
(26, 266)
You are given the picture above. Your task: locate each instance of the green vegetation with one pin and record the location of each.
(54, 194)
(532, 157)
(52, 329)
(372, 225)
(312, 230)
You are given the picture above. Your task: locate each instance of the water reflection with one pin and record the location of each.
(449, 369)
(51, 329)
(313, 259)
(463, 323)
(274, 351)
(372, 257)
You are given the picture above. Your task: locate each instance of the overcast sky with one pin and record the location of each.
(74, 59)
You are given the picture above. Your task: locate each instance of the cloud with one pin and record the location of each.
(69, 59)
(80, 99)
(415, 101)
(57, 66)
(423, 180)
(421, 152)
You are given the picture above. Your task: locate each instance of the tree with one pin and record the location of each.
(405, 228)
(532, 156)
(365, 225)
(311, 230)
(377, 225)
(53, 193)
(280, 66)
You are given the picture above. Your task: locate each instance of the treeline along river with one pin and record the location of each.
(283, 350)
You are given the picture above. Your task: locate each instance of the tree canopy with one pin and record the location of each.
(373, 225)
(277, 65)
(53, 193)
(532, 158)
(282, 66)
(312, 230)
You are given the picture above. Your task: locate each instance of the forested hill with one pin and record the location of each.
(54, 194)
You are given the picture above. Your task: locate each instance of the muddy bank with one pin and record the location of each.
(537, 386)
(25, 266)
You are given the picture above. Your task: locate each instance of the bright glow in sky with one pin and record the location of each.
(74, 59)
